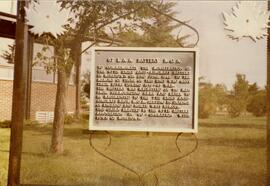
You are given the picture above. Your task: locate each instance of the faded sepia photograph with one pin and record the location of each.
(134, 93)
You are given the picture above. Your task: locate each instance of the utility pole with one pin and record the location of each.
(19, 95)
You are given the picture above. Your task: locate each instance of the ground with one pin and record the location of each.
(4, 149)
(229, 152)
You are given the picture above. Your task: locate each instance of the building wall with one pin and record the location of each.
(6, 87)
(42, 98)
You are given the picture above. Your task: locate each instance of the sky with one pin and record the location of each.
(8, 6)
(220, 56)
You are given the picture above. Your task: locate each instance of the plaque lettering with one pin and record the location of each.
(137, 89)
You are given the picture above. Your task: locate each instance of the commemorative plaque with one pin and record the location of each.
(144, 89)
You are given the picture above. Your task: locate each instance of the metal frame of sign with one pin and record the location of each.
(194, 129)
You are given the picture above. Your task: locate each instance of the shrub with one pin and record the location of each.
(5, 124)
(257, 104)
(69, 119)
(235, 107)
(239, 96)
(84, 104)
(206, 109)
(31, 122)
(207, 101)
(85, 116)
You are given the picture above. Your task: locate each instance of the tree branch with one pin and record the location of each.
(117, 18)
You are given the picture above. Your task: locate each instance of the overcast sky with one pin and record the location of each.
(220, 57)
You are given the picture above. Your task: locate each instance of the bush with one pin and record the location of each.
(31, 122)
(84, 116)
(69, 119)
(84, 104)
(235, 107)
(207, 101)
(257, 104)
(206, 109)
(239, 96)
(5, 124)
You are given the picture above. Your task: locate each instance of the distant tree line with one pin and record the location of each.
(243, 98)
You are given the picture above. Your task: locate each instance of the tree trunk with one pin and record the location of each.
(29, 77)
(59, 112)
(77, 58)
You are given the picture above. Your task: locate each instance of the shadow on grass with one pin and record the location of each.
(236, 143)
(74, 132)
(103, 180)
(54, 185)
(230, 125)
(77, 132)
(4, 150)
(28, 153)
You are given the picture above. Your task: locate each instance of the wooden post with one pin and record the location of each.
(268, 105)
(18, 100)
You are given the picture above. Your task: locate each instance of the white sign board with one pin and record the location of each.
(144, 89)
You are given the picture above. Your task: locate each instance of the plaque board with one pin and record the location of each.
(144, 89)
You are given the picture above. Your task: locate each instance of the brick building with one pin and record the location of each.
(42, 93)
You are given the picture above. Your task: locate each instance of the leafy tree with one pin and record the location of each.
(221, 94)
(257, 100)
(207, 101)
(234, 108)
(239, 96)
(157, 33)
(89, 23)
(257, 104)
(129, 36)
(253, 89)
(211, 97)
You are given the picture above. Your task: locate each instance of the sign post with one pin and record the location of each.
(19, 96)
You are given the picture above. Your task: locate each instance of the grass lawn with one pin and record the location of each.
(4, 150)
(230, 152)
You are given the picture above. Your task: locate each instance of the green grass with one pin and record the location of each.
(230, 152)
(4, 150)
